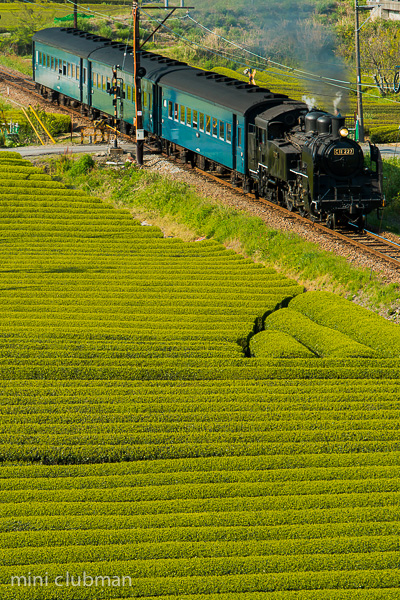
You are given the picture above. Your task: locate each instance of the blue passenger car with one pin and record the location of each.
(61, 63)
(203, 115)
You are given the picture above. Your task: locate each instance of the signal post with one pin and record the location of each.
(139, 71)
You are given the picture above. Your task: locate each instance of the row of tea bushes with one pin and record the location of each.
(321, 340)
(194, 524)
(352, 320)
(325, 325)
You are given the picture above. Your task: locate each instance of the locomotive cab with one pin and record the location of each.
(268, 147)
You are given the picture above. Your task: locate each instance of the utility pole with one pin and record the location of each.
(360, 114)
(138, 73)
(75, 15)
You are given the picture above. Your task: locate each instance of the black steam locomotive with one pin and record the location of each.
(306, 161)
(266, 141)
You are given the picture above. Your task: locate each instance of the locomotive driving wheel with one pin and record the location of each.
(303, 212)
(331, 221)
(289, 204)
(361, 223)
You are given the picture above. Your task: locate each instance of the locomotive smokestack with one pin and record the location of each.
(337, 124)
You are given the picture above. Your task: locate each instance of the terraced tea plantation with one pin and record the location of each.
(144, 455)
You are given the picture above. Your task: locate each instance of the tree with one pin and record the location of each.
(379, 45)
(20, 39)
(380, 51)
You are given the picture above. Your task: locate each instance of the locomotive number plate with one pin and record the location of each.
(343, 151)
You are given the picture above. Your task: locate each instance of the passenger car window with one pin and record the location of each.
(229, 133)
(215, 127)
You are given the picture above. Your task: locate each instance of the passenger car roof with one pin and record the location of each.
(70, 40)
(285, 113)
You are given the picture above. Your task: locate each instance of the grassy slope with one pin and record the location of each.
(12, 12)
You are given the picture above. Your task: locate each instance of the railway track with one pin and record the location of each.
(26, 84)
(376, 244)
(367, 241)
(25, 87)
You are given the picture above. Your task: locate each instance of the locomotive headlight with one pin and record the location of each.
(344, 132)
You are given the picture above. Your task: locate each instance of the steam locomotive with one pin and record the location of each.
(306, 160)
(269, 144)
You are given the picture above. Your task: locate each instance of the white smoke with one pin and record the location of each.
(309, 101)
(337, 100)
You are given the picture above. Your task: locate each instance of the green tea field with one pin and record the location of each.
(12, 12)
(146, 454)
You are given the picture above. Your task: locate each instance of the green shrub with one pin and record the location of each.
(391, 186)
(82, 166)
(276, 344)
(13, 157)
(56, 123)
(320, 340)
(355, 321)
(385, 134)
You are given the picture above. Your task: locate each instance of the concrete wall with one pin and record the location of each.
(386, 10)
